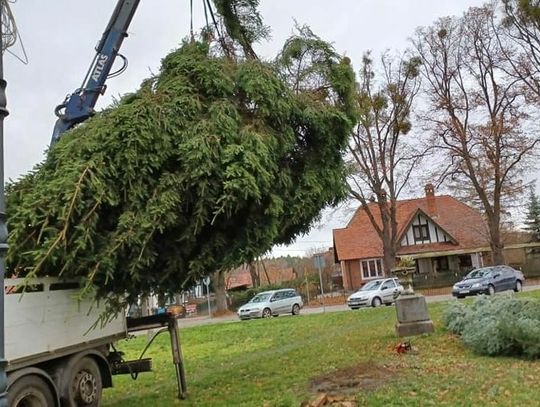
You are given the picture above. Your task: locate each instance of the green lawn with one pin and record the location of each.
(272, 362)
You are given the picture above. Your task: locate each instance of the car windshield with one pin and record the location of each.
(479, 273)
(373, 285)
(261, 297)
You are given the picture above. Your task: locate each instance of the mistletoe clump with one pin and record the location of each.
(205, 167)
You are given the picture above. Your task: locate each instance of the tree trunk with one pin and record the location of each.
(389, 258)
(495, 242)
(387, 236)
(219, 288)
(146, 310)
(255, 279)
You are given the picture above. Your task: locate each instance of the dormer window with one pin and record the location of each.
(420, 232)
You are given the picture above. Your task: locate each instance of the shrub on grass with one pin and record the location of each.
(497, 325)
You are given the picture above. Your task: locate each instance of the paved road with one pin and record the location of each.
(205, 320)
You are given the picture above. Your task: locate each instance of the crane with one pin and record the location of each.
(68, 363)
(79, 105)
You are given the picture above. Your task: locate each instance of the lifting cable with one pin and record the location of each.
(206, 15)
(220, 37)
(191, 20)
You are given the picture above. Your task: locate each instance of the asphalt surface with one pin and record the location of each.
(206, 320)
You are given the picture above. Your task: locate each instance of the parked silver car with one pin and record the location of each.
(375, 293)
(272, 303)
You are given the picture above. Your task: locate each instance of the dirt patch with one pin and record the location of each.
(224, 313)
(344, 383)
(328, 301)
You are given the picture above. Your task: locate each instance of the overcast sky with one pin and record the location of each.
(60, 35)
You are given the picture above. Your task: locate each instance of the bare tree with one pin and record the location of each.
(477, 114)
(521, 29)
(382, 159)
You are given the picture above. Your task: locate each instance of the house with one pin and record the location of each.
(441, 234)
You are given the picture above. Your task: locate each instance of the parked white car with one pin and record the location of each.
(272, 303)
(375, 293)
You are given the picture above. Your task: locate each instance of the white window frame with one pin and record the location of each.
(378, 273)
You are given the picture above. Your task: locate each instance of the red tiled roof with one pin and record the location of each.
(239, 277)
(359, 240)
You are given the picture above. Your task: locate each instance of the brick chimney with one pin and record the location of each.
(430, 198)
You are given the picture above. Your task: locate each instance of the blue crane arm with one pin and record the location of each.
(79, 106)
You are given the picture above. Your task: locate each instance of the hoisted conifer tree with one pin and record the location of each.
(205, 167)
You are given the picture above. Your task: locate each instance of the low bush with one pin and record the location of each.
(501, 325)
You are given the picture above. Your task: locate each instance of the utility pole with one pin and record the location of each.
(3, 225)
(319, 262)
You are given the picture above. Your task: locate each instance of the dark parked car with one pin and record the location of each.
(489, 280)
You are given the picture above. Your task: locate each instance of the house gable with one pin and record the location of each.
(462, 226)
(422, 229)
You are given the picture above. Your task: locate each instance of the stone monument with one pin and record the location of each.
(411, 310)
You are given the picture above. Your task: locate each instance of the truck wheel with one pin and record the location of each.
(85, 384)
(30, 391)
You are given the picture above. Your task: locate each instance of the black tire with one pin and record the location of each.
(376, 302)
(491, 290)
(84, 384)
(30, 391)
(295, 309)
(460, 297)
(519, 286)
(267, 313)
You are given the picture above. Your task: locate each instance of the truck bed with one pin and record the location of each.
(48, 321)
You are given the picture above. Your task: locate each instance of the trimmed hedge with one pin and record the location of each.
(501, 325)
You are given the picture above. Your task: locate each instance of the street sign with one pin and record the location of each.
(206, 282)
(319, 260)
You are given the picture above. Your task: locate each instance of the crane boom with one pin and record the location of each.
(79, 106)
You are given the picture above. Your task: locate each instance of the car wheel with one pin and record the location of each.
(266, 313)
(296, 309)
(376, 302)
(519, 286)
(491, 289)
